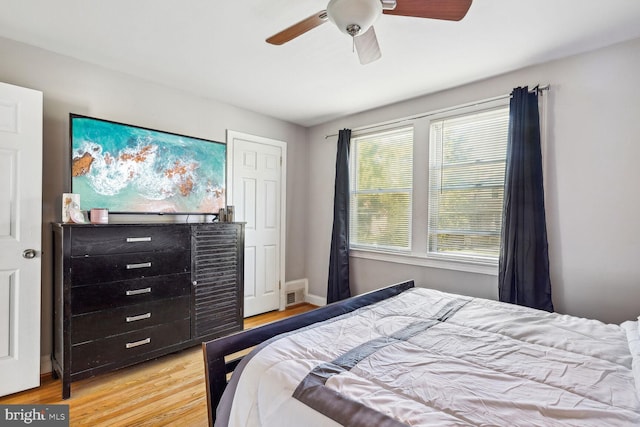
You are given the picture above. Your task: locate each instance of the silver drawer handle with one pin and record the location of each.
(138, 343)
(138, 239)
(139, 291)
(138, 317)
(141, 265)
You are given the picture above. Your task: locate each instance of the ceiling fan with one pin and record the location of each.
(356, 18)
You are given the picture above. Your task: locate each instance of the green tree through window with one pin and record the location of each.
(466, 183)
(381, 189)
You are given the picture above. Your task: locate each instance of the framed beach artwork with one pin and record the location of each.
(131, 169)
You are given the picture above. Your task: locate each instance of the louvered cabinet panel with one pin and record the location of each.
(217, 271)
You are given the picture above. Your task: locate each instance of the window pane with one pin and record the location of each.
(466, 184)
(469, 245)
(385, 161)
(381, 189)
(382, 219)
(473, 210)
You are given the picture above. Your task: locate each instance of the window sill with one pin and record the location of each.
(423, 261)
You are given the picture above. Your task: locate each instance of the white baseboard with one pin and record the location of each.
(45, 364)
(316, 300)
(303, 284)
(294, 285)
(295, 292)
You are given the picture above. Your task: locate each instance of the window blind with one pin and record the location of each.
(466, 184)
(381, 189)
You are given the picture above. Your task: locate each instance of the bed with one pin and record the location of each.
(413, 356)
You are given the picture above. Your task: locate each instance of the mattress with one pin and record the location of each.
(428, 358)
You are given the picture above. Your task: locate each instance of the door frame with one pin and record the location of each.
(231, 136)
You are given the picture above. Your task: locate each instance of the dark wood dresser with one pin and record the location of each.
(127, 293)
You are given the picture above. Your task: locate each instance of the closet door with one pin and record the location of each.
(20, 237)
(257, 186)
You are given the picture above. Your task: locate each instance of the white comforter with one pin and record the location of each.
(488, 363)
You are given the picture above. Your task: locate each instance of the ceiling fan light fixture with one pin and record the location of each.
(354, 17)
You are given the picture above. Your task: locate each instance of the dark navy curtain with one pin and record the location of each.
(523, 274)
(338, 286)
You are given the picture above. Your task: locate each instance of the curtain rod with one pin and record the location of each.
(537, 88)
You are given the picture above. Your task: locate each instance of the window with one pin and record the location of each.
(381, 190)
(467, 155)
(446, 212)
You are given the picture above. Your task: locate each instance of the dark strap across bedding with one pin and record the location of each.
(313, 392)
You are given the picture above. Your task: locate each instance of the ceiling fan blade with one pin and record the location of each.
(367, 46)
(299, 28)
(451, 10)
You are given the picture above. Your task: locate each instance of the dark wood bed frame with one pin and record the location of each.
(216, 369)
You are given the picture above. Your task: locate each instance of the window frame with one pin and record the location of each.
(462, 257)
(353, 177)
(419, 255)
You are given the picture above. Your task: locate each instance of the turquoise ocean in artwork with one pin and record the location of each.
(133, 169)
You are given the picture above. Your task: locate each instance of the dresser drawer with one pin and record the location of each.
(101, 296)
(114, 239)
(117, 349)
(100, 324)
(111, 268)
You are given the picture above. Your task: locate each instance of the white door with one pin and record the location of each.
(256, 188)
(20, 237)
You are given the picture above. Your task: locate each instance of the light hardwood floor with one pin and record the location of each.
(166, 391)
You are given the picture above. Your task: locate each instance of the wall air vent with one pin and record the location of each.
(295, 297)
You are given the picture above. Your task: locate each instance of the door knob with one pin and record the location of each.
(29, 253)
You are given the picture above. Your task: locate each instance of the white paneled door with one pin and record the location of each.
(20, 237)
(256, 188)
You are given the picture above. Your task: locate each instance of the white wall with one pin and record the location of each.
(74, 86)
(591, 168)
(592, 173)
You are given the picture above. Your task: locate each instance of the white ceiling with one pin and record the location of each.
(216, 49)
